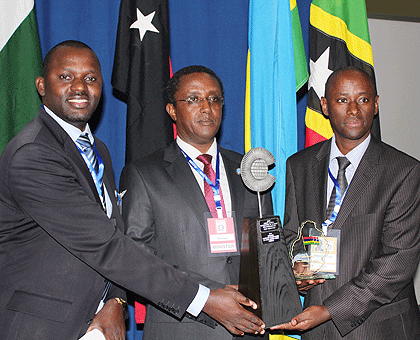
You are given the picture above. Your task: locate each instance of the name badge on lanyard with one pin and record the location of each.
(221, 230)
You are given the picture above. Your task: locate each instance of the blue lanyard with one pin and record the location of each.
(338, 201)
(215, 187)
(96, 176)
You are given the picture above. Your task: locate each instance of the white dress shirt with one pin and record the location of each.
(354, 156)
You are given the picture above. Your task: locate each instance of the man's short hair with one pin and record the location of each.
(337, 72)
(67, 43)
(173, 83)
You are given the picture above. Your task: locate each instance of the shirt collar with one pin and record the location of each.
(193, 152)
(71, 130)
(354, 156)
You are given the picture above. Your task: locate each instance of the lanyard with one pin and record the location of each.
(97, 177)
(338, 201)
(215, 187)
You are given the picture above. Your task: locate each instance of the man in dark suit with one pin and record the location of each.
(61, 237)
(165, 208)
(372, 296)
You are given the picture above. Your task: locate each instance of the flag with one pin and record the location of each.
(275, 52)
(140, 73)
(338, 37)
(276, 69)
(20, 64)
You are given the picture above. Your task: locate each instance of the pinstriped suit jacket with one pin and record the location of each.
(373, 295)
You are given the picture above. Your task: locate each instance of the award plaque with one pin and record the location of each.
(266, 274)
(315, 255)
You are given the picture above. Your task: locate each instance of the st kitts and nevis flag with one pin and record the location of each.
(140, 72)
(276, 69)
(338, 37)
(20, 64)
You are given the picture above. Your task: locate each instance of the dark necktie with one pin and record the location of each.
(208, 191)
(343, 163)
(87, 148)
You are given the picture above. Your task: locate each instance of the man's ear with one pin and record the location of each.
(376, 105)
(40, 86)
(170, 108)
(324, 106)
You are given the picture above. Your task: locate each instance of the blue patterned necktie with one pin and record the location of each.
(87, 148)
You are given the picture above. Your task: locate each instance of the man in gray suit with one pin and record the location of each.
(165, 208)
(372, 296)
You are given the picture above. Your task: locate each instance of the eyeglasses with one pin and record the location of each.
(212, 100)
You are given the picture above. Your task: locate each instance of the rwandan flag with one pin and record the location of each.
(20, 64)
(276, 69)
(338, 37)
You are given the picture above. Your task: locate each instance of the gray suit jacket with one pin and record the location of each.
(57, 245)
(373, 295)
(163, 211)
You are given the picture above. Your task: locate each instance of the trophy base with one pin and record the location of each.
(266, 274)
(314, 277)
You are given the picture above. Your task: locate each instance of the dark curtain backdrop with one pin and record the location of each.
(207, 32)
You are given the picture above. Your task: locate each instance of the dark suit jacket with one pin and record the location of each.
(57, 244)
(163, 210)
(373, 295)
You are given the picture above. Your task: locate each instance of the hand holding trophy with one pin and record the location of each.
(266, 275)
(313, 254)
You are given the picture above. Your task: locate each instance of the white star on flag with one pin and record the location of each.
(144, 23)
(319, 73)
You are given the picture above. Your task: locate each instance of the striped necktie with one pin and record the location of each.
(87, 148)
(343, 163)
(208, 191)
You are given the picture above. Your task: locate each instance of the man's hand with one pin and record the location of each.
(110, 321)
(304, 285)
(302, 268)
(224, 305)
(309, 318)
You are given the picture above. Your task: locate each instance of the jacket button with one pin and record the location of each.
(229, 260)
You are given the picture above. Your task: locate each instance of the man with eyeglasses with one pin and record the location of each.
(186, 203)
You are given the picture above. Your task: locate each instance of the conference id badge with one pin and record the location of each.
(221, 234)
(324, 252)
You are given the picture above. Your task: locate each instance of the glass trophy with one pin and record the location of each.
(313, 254)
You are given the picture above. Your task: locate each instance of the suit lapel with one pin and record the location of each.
(66, 144)
(319, 181)
(364, 174)
(184, 179)
(234, 181)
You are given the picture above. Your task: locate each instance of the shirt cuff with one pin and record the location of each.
(199, 301)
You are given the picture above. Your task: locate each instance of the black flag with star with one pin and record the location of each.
(140, 73)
